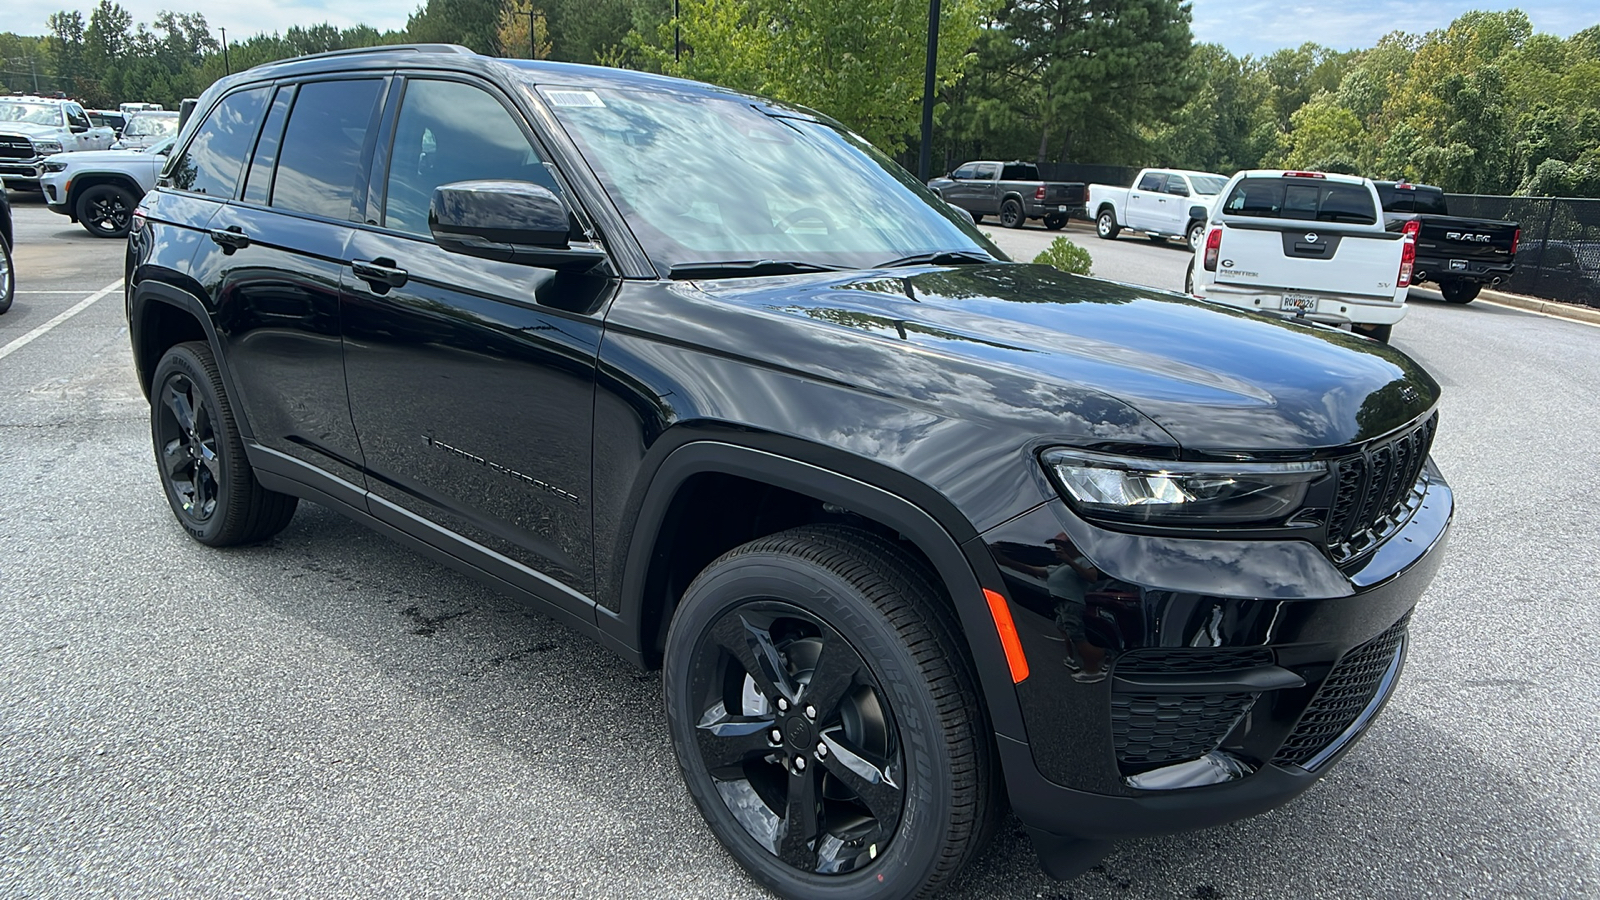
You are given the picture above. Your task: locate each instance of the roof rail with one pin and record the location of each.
(384, 48)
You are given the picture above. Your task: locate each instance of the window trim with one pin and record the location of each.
(272, 177)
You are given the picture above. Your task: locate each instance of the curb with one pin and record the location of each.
(1552, 308)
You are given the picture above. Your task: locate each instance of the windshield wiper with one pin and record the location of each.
(939, 257)
(744, 268)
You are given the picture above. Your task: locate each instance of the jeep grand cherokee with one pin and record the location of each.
(915, 532)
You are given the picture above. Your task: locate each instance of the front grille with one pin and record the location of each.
(15, 147)
(1377, 491)
(1349, 687)
(1192, 660)
(1154, 729)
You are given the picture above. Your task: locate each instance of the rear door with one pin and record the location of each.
(1307, 234)
(1145, 202)
(985, 189)
(1175, 205)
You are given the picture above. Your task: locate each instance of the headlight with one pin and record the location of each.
(1181, 493)
(45, 147)
(53, 166)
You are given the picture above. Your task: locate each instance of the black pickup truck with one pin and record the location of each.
(1459, 255)
(1013, 191)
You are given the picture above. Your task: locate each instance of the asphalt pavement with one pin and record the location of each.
(329, 715)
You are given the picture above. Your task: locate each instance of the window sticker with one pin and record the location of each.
(574, 98)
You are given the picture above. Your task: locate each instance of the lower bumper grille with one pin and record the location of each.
(1152, 729)
(1348, 690)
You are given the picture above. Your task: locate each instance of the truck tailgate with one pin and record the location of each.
(1068, 192)
(1453, 237)
(1308, 259)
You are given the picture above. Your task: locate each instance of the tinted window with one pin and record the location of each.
(1176, 185)
(258, 183)
(448, 132)
(1283, 198)
(964, 173)
(985, 172)
(1020, 173)
(75, 117)
(319, 164)
(211, 163)
(1152, 181)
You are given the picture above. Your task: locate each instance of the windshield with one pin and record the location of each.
(150, 126)
(706, 179)
(33, 113)
(1207, 184)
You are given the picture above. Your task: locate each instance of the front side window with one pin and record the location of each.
(319, 164)
(706, 178)
(964, 173)
(448, 132)
(76, 118)
(211, 163)
(1176, 185)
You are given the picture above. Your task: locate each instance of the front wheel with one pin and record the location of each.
(1105, 225)
(1459, 291)
(208, 481)
(8, 278)
(106, 210)
(825, 719)
(1011, 214)
(1055, 222)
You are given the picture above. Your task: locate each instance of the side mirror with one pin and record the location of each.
(509, 221)
(1197, 212)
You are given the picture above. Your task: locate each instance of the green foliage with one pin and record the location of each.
(1066, 256)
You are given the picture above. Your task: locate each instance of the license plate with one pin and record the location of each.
(1061, 209)
(1458, 265)
(1302, 302)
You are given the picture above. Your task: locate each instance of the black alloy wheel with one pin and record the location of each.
(1011, 214)
(1457, 291)
(106, 210)
(803, 747)
(1055, 222)
(1105, 225)
(200, 456)
(8, 276)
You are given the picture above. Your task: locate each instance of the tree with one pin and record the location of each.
(517, 18)
(470, 23)
(67, 27)
(1324, 137)
(1227, 123)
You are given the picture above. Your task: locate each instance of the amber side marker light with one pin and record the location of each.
(1007, 630)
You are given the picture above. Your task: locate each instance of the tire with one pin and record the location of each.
(1377, 332)
(788, 600)
(1011, 215)
(977, 218)
(8, 277)
(200, 457)
(1105, 225)
(106, 210)
(1195, 234)
(1188, 279)
(1459, 291)
(1055, 222)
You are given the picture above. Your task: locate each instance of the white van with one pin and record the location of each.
(1308, 244)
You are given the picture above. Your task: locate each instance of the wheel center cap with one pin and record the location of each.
(799, 733)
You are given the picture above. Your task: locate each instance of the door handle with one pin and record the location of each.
(380, 273)
(231, 238)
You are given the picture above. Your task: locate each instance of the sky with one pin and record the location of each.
(1256, 27)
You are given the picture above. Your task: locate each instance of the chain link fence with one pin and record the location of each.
(1558, 257)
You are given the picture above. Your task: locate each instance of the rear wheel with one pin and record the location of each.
(1011, 214)
(106, 210)
(1376, 332)
(1188, 278)
(1196, 234)
(208, 481)
(1055, 222)
(1105, 225)
(8, 278)
(1459, 291)
(825, 719)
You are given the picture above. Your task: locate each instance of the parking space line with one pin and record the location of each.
(49, 292)
(39, 332)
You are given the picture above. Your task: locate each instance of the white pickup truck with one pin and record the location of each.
(1305, 244)
(1158, 204)
(32, 128)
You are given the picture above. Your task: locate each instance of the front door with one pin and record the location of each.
(472, 381)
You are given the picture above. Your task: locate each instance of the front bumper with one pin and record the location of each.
(1195, 682)
(21, 171)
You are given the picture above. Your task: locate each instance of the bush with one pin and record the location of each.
(1066, 256)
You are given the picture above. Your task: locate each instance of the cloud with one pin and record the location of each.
(241, 19)
(1259, 27)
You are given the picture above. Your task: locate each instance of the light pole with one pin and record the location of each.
(677, 37)
(533, 48)
(227, 67)
(925, 159)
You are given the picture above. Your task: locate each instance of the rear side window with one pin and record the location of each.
(1152, 181)
(448, 132)
(212, 162)
(1306, 200)
(319, 164)
(1020, 173)
(985, 172)
(258, 184)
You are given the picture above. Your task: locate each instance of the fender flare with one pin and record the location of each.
(147, 292)
(84, 180)
(959, 565)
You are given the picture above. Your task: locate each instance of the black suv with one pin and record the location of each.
(913, 531)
